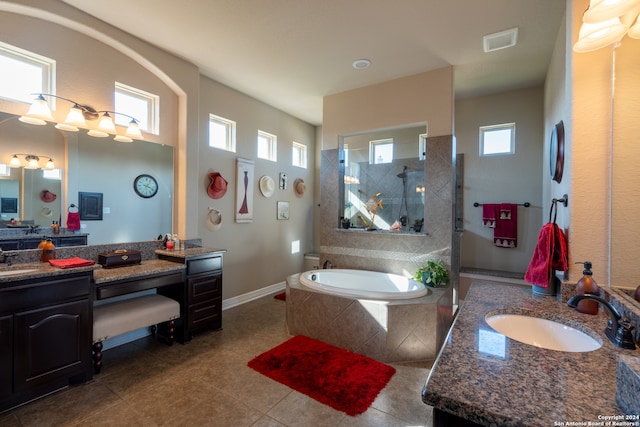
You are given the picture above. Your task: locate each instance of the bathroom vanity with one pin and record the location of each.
(484, 378)
(46, 313)
(45, 333)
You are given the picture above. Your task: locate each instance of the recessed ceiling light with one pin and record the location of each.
(361, 64)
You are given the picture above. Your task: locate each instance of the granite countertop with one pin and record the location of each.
(35, 270)
(491, 380)
(189, 252)
(145, 268)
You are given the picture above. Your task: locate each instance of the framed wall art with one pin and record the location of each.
(283, 210)
(244, 190)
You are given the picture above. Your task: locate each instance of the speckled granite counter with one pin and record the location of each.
(189, 252)
(488, 380)
(36, 271)
(145, 268)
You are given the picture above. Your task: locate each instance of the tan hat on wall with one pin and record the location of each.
(299, 187)
(267, 186)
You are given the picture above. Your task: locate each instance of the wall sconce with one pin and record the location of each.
(39, 114)
(33, 162)
(606, 22)
(420, 188)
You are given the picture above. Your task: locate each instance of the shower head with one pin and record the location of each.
(403, 174)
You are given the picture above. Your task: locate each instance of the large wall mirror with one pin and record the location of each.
(87, 164)
(384, 168)
(625, 185)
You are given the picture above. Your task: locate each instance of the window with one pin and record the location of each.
(497, 139)
(24, 73)
(222, 133)
(381, 151)
(52, 174)
(422, 146)
(5, 170)
(299, 155)
(267, 146)
(141, 105)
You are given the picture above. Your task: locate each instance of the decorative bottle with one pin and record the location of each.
(587, 285)
(48, 251)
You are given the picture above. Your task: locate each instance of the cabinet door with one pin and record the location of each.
(6, 355)
(52, 343)
(204, 287)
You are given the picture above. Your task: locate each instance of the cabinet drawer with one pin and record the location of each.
(204, 288)
(44, 292)
(205, 314)
(197, 266)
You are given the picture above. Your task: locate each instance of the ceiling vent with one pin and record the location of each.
(500, 40)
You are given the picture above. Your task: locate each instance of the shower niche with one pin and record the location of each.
(383, 168)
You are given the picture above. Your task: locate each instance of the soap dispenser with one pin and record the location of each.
(587, 285)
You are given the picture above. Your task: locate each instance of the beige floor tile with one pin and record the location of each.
(207, 383)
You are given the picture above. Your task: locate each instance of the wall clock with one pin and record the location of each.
(145, 186)
(556, 152)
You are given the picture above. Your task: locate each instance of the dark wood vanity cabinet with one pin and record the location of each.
(45, 336)
(203, 308)
(32, 243)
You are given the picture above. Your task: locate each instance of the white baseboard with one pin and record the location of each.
(253, 295)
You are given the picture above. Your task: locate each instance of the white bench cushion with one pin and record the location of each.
(117, 318)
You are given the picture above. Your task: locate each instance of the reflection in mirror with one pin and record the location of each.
(625, 174)
(87, 164)
(384, 179)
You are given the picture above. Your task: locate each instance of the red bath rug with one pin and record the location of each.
(344, 380)
(281, 296)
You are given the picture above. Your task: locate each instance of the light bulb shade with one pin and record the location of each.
(75, 117)
(97, 134)
(133, 131)
(40, 110)
(603, 10)
(32, 162)
(122, 138)
(64, 126)
(106, 124)
(32, 121)
(15, 162)
(596, 36)
(50, 165)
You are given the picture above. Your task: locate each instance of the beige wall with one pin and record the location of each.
(414, 99)
(511, 178)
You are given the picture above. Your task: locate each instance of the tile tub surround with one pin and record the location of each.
(525, 385)
(388, 331)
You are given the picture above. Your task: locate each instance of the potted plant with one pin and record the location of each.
(433, 274)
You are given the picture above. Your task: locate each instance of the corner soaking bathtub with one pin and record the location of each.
(363, 284)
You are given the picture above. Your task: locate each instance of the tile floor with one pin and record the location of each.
(207, 383)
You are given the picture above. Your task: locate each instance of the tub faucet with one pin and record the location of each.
(327, 264)
(5, 258)
(619, 330)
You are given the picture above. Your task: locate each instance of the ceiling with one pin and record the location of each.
(292, 53)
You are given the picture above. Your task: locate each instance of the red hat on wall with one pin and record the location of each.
(217, 187)
(47, 196)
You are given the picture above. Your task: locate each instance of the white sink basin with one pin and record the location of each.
(14, 272)
(542, 333)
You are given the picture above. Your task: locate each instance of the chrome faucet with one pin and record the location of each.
(619, 330)
(327, 264)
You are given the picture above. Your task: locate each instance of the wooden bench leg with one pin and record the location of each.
(97, 357)
(166, 332)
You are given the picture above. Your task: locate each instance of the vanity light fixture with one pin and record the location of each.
(33, 162)
(606, 22)
(39, 114)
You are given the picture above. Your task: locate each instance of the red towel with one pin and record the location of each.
(505, 234)
(489, 215)
(71, 262)
(73, 221)
(549, 255)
